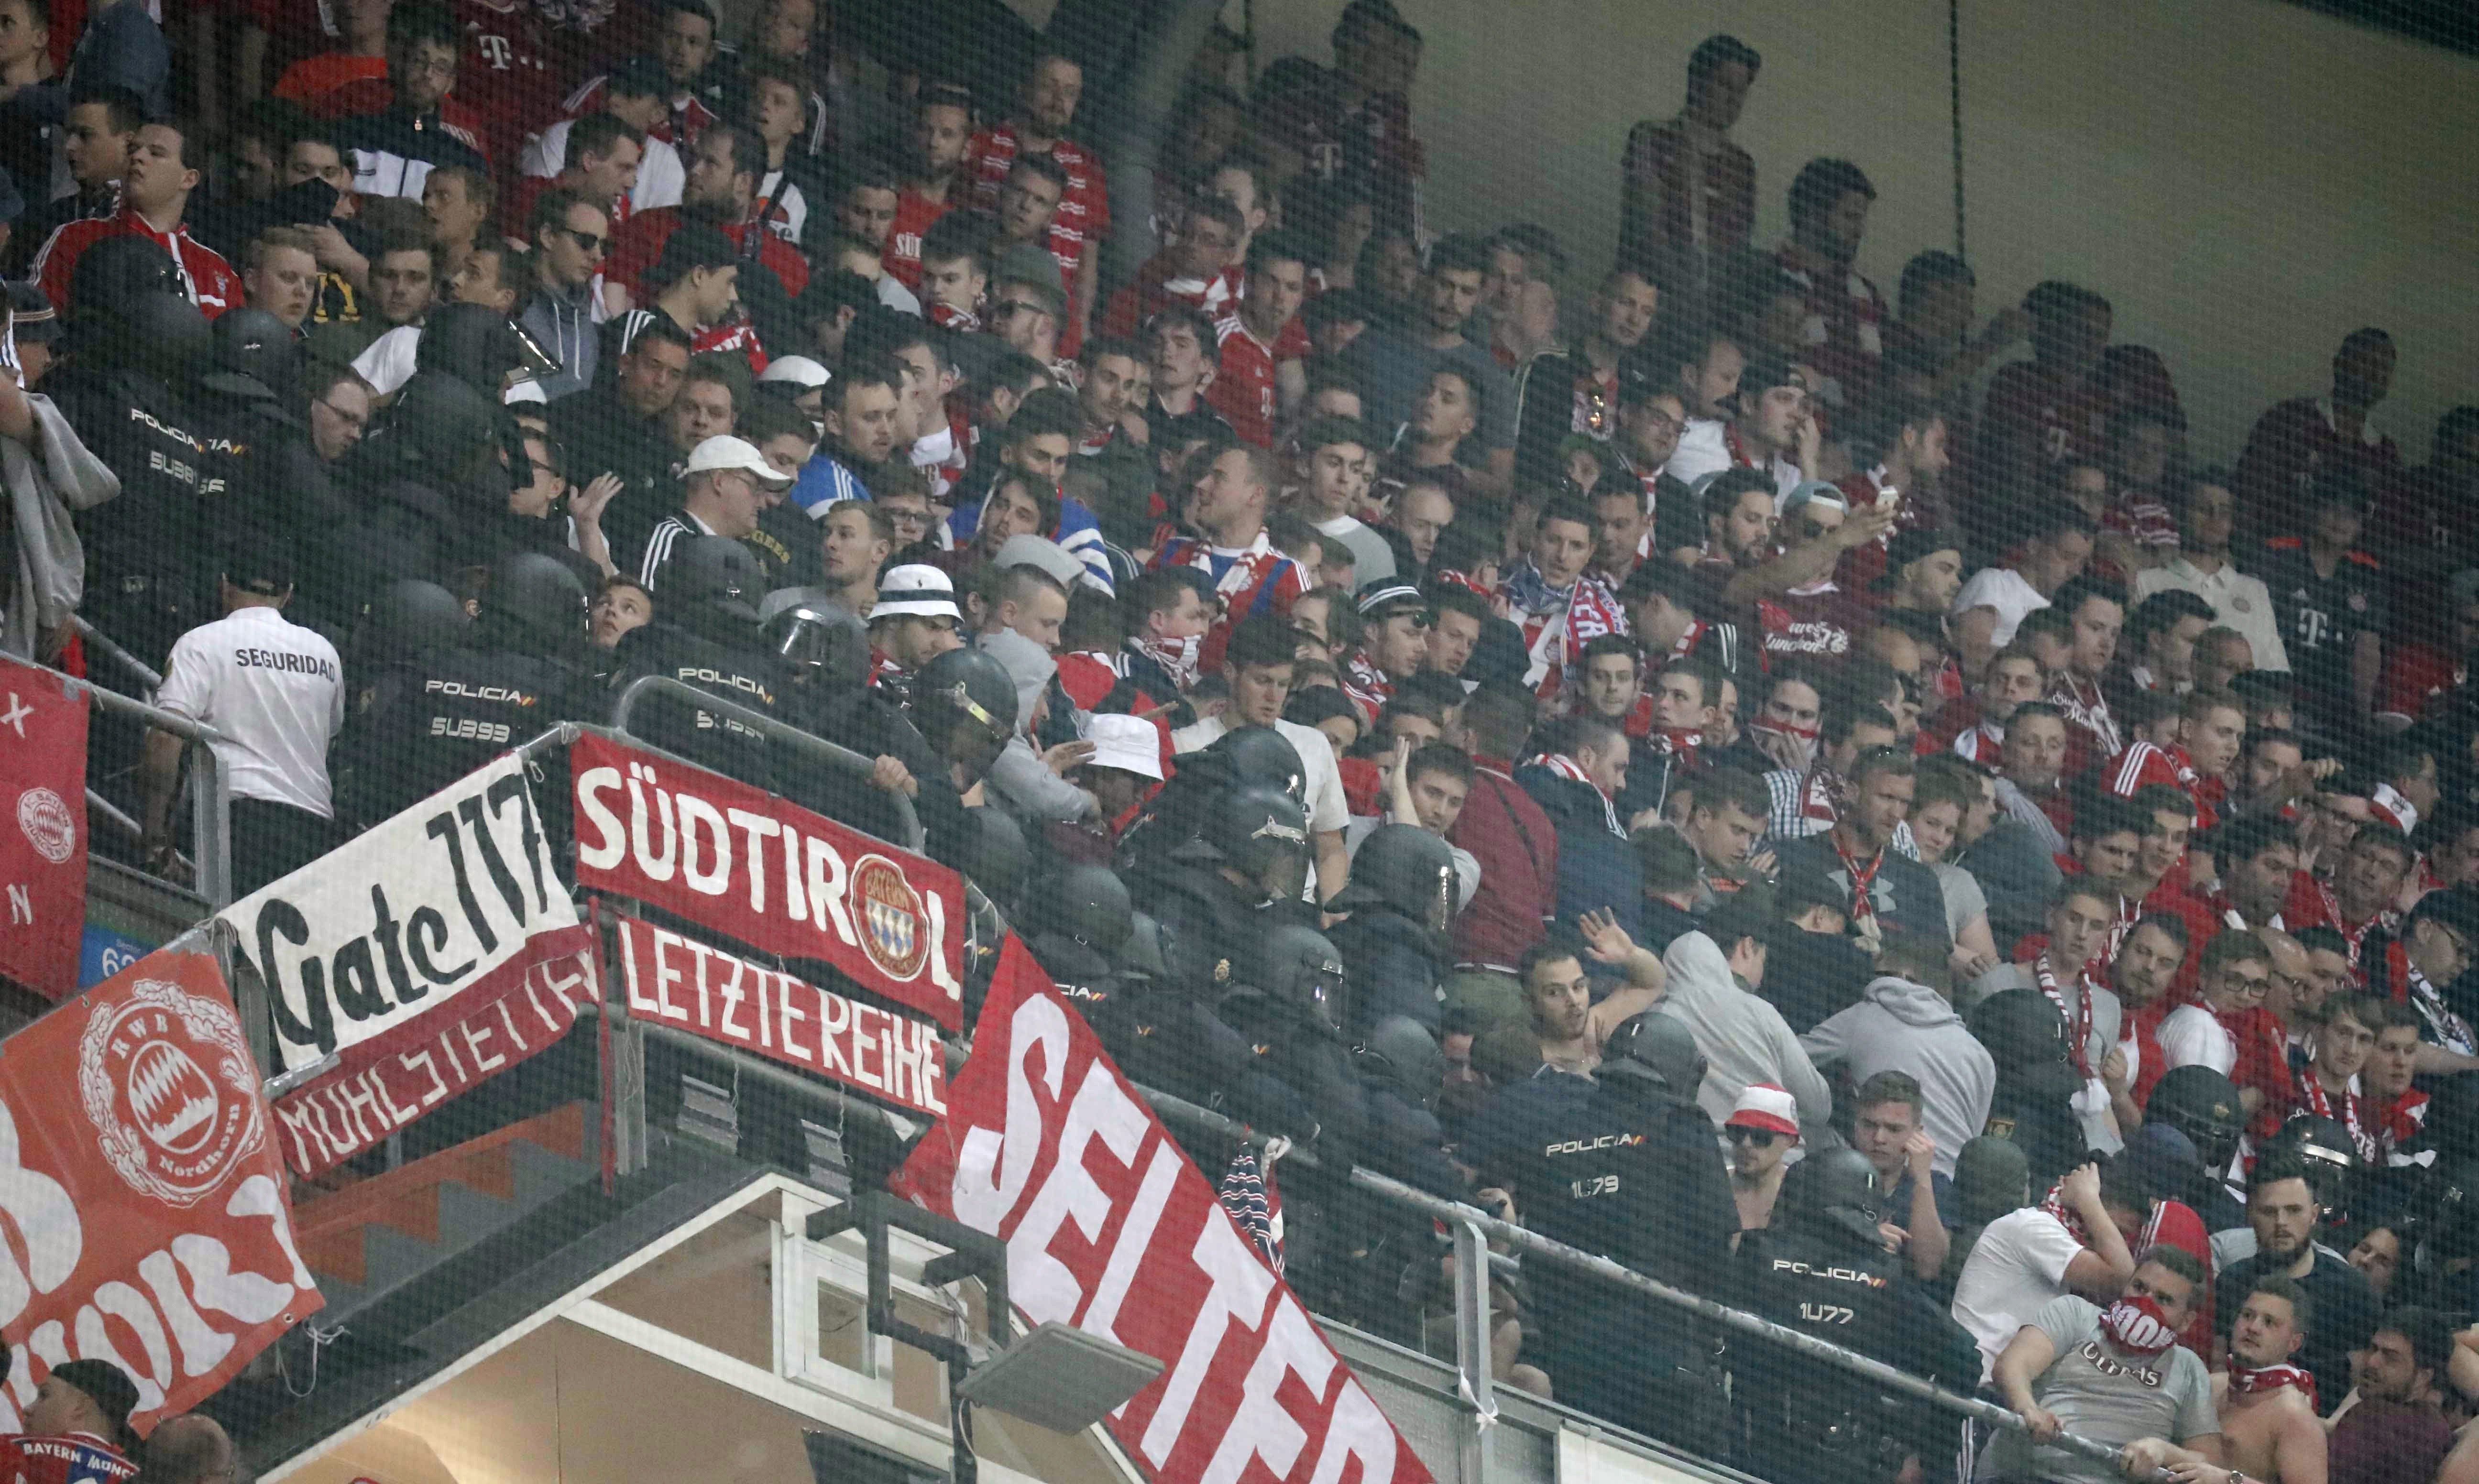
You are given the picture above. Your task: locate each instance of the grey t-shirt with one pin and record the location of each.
(2100, 1393)
(1394, 370)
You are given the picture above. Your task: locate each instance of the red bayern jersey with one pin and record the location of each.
(2141, 763)
(1248, 580)
(1083, 211)
(1243, 384)
(1155, 291)
(2024, 403)
(680, 127)
(914, 216)
(505, 70)
(2415, 675)
(637, 247)
(205, 276)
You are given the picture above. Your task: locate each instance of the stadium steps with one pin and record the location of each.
(385, 1233)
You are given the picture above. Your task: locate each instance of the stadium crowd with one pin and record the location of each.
(1729, 768)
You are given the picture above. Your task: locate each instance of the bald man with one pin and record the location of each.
(191, 1449)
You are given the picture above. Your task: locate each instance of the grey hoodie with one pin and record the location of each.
(1744, 1038)
(1899, 1026)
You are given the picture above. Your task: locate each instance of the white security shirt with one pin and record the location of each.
(275, 691)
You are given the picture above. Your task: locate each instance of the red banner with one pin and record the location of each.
(1110, 1228)
(42, 829)
(145, 1195)
(770, 875)
(681, 982)
(498, 1025)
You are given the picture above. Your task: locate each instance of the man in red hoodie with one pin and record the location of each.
(1518, 850)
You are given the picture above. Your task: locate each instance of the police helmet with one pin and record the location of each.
(1657, 1049)
(256, 357)
(118, 271)
(1839, 1187)
(820, 638)
(128, 308)
(2203, 1105)
(715, 573)
(2020, 1027)
(408, 618)
(481, 345)
(1406, 869)
(1090, 903)
(1400, 1053)
(537, 598)
(1260, 755)
(1301, 971)
(1260, 832)
(438, 423)
(1141, 953)
(2452, 1224)
(996, 858)
(964, 702)
(2331, 1156)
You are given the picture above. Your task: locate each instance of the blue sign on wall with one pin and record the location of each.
(105, 953)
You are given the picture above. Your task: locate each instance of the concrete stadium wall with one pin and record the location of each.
(2247, 180)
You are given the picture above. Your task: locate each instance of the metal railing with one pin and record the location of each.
(209, 784)
(842, 758)
(97, 642)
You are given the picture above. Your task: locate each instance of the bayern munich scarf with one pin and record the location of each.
(1569, 768)
(2252, 1379)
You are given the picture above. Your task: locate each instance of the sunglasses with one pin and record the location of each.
(592, 242)
(1762, 1139)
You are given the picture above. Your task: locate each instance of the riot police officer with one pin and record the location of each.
(422, 725)
(435, 471)
(2331, 1156)
(706, 636)
(1823, 1269)
(1401, 898)
(826, 656)
(1240, 877)
(2203, 1105)
(1176, 812)
(1636, 1174)
(132, 337)
(1082, 918)
(2036, 1082)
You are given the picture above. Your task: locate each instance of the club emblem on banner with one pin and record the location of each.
(165, 1077)
(49, 826)
(897, 927)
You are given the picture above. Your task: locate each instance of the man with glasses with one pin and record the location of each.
(340, 412)
(2417, 963)
(570, 237)
(1563, 393)
(397, 130)
(2236, 974)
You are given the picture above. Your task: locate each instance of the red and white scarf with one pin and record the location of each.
(1569, 768)
(2054, 1204)
(2078, 1016)
(2137, 1326)
(2086, 707)
(2352, 938)
(2251, 1379)
(2398, 1123)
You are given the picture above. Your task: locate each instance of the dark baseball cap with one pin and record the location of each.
(1908, 547)
(107, 1384)
(32, 319)
(261, 562)
(691, 246)
(639, 77)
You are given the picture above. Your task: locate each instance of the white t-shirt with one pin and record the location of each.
(2005, 590)
(1701, 450)
(1372, 560)
(661, 177)
(2190, 1035)
(2018, 1264)
(276, 693)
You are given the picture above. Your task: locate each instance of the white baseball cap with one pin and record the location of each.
(798, 370)
(915, 589)
(1131, 744)
(729, 452)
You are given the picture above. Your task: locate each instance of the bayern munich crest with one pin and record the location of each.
(895, 922)
(165, 1077)
(48, 825)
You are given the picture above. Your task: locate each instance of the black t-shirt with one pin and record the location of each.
(2321, 618)
(2345, 1314)
(1904, 893)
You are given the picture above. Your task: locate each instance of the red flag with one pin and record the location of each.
(42, 829)
(1108, 1227)
(139, 1171)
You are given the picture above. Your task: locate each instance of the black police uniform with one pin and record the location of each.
(148, 548)
(1809, 1423)
(873, 723)
(1637, 1176)
(419, 727)
(2031, 1106)
(740, 673)
(1400, 897)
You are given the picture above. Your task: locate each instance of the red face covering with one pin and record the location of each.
(2137, 1326)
